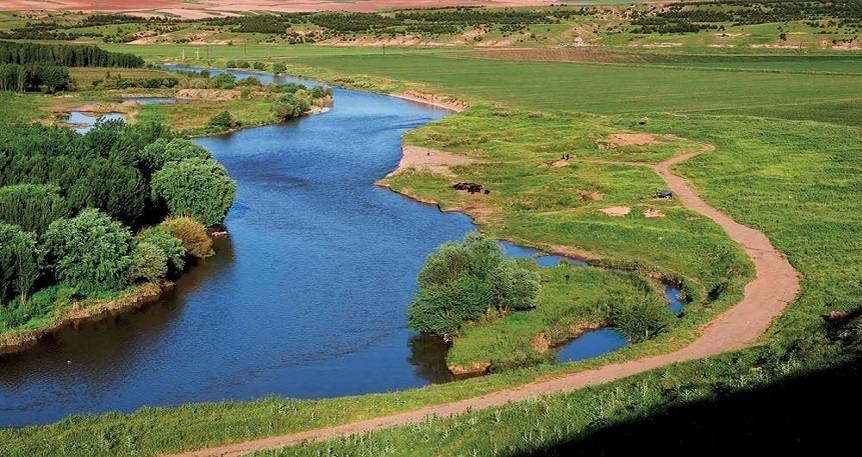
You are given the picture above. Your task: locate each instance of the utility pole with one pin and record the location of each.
(197, 53)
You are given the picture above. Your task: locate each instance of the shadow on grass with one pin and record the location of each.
(806, 415)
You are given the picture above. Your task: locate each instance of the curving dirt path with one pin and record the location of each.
(776, 284)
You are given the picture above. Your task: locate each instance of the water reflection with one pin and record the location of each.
(428, 354)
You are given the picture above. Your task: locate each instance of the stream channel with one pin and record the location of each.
(305, 297)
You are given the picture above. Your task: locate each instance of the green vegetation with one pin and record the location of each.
(765, 83)
(468, 281)
(71, 203)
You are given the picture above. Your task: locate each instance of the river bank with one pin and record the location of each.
(78, 311)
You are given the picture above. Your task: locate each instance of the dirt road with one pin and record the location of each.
(775, 285)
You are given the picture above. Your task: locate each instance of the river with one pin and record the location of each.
(305, 297)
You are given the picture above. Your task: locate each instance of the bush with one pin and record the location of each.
(149, 263)
(638, 317)
(191, 233)
(90, 251)
(279, 68)
(464, 281)
(224, 120)
(169, 244)
(196, 187)
(288, 106)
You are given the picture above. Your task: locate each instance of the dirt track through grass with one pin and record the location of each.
(776, 285)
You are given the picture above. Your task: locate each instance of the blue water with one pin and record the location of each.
(78, 118)
(596, 342)
(305, 297)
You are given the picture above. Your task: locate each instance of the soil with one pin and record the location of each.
(616, 211)
(426, 159)
(776, 284)
(214, 8)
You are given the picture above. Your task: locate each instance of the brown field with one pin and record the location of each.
(210, 8)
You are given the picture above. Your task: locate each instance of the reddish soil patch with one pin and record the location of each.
(617, 211)
(210, 8)
(652, 212)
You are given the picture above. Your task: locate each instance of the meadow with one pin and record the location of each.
(786, 128)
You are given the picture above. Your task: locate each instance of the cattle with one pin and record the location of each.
(471, 187)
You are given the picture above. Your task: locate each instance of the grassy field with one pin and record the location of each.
(787, 131)
(620, 88)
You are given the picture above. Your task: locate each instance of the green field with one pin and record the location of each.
(787, 132)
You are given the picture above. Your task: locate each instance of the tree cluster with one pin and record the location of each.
(464, 282)
(70, 203)
(23, 78)
(65, 55)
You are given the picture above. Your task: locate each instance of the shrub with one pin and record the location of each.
(91, 251)
(149, 262)
(224, 120)
(196, 187)
(191, 233)
(463, 281)
(169, 244)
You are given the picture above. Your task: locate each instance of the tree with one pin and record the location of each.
(32, 206)
(224, 80)
(19, 263)
(288, 106)
(196, 187)
(90, 251)
(149, 262)
(279, 68)
(464, 281)
(224, 120)
(172, 246)
(121, 191)
(161, 151)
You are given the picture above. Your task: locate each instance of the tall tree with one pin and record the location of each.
(19, 263)
(32, 206)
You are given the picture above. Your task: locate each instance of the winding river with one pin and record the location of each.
(305, 297)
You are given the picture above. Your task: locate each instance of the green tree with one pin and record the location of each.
(196, 187)
(169, 244)
(224, 80)
(279, 67)
(464, 281)
(91, 251)
(19, 263)
(288, 106)
(224, 120)
(161, 151)
(149, 263)
(32, 206)
(117, 189)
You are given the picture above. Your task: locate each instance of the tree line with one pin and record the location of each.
(88, 215)
(65, 55)
(23, 78)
